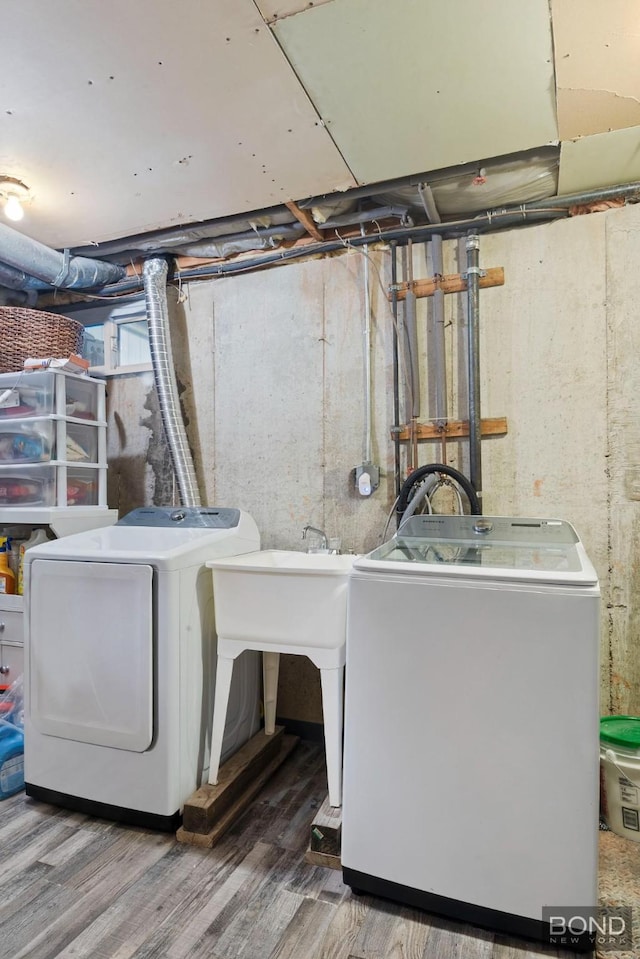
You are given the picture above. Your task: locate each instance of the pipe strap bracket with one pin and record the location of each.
(64, 269)
(473, 270)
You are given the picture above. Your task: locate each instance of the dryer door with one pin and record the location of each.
(90, 652)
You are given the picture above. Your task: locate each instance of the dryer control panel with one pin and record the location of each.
(182, 517)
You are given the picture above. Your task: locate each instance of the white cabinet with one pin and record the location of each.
(61, 522)
(11, 630)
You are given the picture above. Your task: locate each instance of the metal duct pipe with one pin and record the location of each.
(473, 339)
(56, 269)
(154, 273)
(16, 298)
(19, 280)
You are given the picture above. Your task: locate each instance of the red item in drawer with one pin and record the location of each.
(15, 490)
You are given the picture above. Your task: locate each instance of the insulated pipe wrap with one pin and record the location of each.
(154, 274)
(19, 280)
(56, 269)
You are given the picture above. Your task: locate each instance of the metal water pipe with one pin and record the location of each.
(396, 371)
(473, 356)
(441, 411)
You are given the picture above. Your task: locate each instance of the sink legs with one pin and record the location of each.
(270, 671)
(332, 681)
(221, 701)
(330, 662)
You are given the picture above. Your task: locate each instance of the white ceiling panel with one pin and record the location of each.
(596, 65)
(409, 86)
(605, 159)
(124, 117)
(279, 9)
(128, 117)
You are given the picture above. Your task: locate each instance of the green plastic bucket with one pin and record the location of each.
(620, 774)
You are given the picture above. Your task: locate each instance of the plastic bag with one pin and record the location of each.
(12, 704)
(12, 740)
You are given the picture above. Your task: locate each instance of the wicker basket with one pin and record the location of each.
(25, 333)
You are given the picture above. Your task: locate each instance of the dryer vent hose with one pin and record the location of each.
(154, 274)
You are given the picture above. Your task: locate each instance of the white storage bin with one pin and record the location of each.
(46, 392)
(27, 485)
(83, 486)
(81, 444)
(40, 440)
(51, 485)
(32, 441)
(30, 394)
(82, 398)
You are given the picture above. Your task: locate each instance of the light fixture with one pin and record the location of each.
(15, 194)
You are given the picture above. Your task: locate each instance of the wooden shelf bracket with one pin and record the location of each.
(451, 283)
(453, 429)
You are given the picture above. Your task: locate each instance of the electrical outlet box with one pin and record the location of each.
(367, 478)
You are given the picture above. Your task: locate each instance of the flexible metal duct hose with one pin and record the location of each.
(154, 273)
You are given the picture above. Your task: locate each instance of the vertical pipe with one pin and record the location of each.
(441, 413)
(411, 327)
(366, 336)
(473, 356)
(396, 377)
(439, 347)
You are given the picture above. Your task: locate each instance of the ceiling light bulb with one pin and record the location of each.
(13, 207)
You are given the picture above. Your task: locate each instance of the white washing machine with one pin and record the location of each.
(471, 726)
(120, 663)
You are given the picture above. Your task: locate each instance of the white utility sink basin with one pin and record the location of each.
(282, 597)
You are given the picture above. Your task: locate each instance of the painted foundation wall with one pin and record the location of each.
(271, 371)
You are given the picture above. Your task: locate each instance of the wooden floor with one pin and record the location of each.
(82, 888)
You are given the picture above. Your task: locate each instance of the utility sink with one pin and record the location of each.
(282, 597)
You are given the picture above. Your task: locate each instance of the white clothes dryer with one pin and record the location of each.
(471, 727)
(120, 659)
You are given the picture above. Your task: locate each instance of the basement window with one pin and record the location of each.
(116, 338)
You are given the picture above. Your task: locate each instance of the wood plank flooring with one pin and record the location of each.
(73, 887)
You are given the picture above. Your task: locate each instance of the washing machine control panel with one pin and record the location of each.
(498, 529)
(182, 517)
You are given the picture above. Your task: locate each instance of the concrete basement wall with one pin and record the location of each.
(271, 367)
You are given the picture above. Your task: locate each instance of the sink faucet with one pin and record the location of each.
(321, 533)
